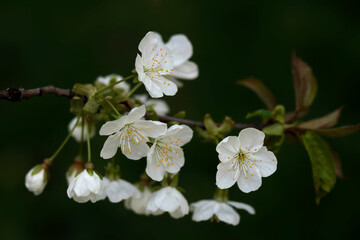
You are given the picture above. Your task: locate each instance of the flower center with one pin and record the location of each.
(130, 135)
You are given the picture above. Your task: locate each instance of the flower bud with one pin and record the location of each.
(36, 178)
(74, 170)
(85, 186)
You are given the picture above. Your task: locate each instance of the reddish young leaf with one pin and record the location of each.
(261, 90)
(304, 83)
(326, 121)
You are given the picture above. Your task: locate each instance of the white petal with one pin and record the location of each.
(133, 150)
(167, 200)
(136, 114)
(178, 83)
(167, 87)
(203, 210)
(251, 181)
(188, 71)
(251, 139)
(154, 169)
(160, 106)
(227, 214)
(180, 48)
(228, 148)
(244, 206)
(265, 161)
(151, 87)
(226, 176)
(158, 36)
(150, 128)
(110, 147)
(147, 44)
(111, 127)
(178, 134)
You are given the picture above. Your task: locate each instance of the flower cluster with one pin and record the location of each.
(243, 159)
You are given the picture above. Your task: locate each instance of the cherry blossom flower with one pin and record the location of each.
(85, 186)
(168, 199)
(117, 190)
(130, 133)
(106, 80)
(166, 154)
(222, 211)
(154, 65)
(139, 204)
(244, 160)
(181, 50)
(77, 131)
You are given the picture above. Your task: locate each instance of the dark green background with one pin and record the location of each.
(64, 42)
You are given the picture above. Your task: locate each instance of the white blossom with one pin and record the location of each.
(131, 133)
(168, 199)
(106, 80)
(85, 186)
(159, 106)
(117, 190)
(154, 65)
(36, 180)
(244, 160)
(206, 209)
(181, 50)
(166, 154)
(138, 204)
(72, 173)
(77, 131)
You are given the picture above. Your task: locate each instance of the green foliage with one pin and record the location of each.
(322, 163)
(214, 132)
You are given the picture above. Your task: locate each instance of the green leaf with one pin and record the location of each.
(37, 169)
(261, 90)
(328, 120)
(279, 113)
(276, 129)
(339, 131)
(305, 83)
(322, 163)
(260, 113)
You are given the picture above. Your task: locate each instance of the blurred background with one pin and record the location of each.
(67, 42)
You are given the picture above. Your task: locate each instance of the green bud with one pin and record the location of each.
(227, 126)
(84, 89)
(76, 105)
(210, 125)
(181, 114)
(91, 106)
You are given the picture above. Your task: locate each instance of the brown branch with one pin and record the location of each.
(201, 124)
(18, 94)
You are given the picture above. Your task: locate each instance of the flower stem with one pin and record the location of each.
(134, 90)
(88, 139)
(115, 83)
(81, 139)
(113, 107)
(50, 159)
